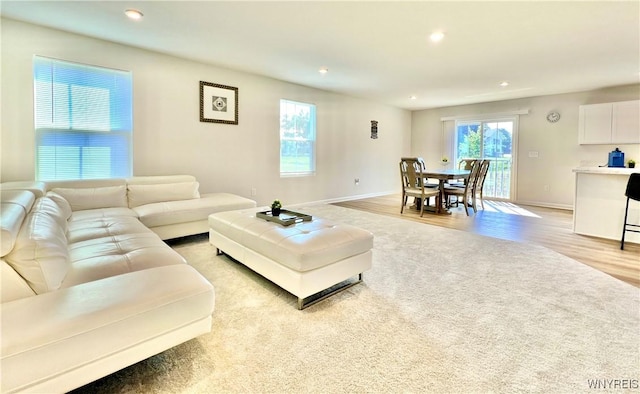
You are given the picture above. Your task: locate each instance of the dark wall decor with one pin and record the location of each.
(218, 103)
(374, 129)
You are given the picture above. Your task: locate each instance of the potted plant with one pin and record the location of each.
(631, 163)
(276, 206)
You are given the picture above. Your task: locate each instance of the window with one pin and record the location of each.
(297, 138)
(83, 121)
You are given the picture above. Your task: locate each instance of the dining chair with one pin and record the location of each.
(465, 195)
(482, 175)
(411, 174)
(633, 193)
(424, 167)
(463, 164)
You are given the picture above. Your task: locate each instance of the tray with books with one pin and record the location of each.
(286, 217)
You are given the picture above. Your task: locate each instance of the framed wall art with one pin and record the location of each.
(218, 103)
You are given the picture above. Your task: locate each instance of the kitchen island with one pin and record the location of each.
(599, 203)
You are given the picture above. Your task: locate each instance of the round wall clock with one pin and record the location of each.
(553, 116)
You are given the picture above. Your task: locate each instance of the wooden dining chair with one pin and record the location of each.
(424, 167)
(411, 174)
(482, 175)
(466, 194)
(463, 164)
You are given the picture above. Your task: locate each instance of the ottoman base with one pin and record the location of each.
(308, 286)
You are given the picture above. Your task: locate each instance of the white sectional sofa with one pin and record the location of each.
(88, 287)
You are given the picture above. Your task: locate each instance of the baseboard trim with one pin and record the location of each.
(346, 198)
(546, 205)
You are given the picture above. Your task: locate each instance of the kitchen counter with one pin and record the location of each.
(599, 203)
(606, 170)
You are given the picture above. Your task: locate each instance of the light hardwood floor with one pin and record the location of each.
(548, 227)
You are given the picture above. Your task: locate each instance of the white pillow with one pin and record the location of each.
(40, 254)
(81, 199)
(148, 194)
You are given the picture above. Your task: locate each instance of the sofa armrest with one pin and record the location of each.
(64, 339)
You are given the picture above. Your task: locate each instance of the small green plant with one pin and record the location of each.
(631, 163)
(276, 204)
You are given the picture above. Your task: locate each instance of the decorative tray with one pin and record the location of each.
(286, 217)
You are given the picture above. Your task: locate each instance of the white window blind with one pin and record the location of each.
(297, 138)
(83, 120)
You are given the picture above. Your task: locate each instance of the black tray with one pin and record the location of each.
(286, 217)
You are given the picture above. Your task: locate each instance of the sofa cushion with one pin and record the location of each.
(38, 188)
(12, 285)
(158, 179)
(14, 207)
(93, 214)
(172, 212)
(92, 326)
(99, 258)
(40, 253)
(148, 194)
(62, 204)
(82, 230)
(94, 197)
(11, 219)
(48, 206)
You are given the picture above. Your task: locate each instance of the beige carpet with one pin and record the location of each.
(441, 311)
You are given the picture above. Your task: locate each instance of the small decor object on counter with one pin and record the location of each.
(616, 158)
(631, 163)
(276, 206)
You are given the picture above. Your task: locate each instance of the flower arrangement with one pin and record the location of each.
(276, 206)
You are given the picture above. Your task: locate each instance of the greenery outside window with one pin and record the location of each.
(83, 120)
(297, 138)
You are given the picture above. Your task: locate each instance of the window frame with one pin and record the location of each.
(83, 120)
(311, 142)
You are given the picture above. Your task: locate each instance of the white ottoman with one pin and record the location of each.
(304, 259)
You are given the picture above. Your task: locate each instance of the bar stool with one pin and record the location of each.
(633, 192)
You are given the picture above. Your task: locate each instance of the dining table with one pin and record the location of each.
(442, 176)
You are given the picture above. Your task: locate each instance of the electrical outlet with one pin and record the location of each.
(356, 181)
(253, 191)
(546, 188)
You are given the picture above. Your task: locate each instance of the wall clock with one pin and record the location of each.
(553, 116)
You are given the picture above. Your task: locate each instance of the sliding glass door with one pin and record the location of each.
(493, 140)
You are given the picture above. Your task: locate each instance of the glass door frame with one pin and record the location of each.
(513, 182)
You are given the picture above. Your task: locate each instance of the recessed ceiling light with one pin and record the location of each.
(133, 14)
(436, 36)
(323, 70)
(504, 84)
(412, 97)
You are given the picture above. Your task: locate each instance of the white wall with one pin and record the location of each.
(170, 139)
(556, 143)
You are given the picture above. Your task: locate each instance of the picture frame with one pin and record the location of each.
(218, 103)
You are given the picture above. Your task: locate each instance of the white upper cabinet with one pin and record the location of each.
(610, 123)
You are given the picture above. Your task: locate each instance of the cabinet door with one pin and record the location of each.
(595, 124)
(626, 122)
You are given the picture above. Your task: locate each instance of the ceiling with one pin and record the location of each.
(380, 50)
